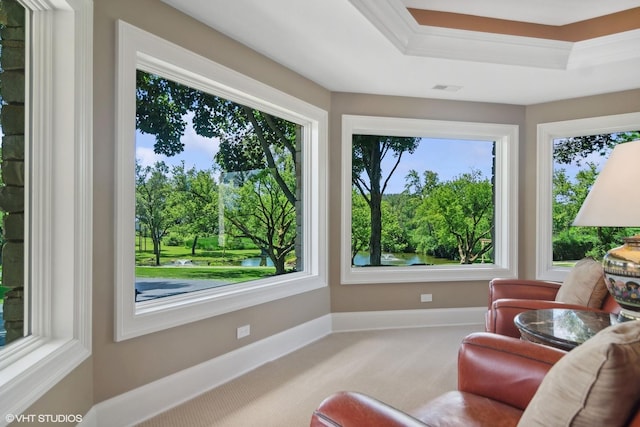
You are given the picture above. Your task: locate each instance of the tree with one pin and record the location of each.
(247, 136)
(198, 202)
(261, 211)
(368, 154)
(249, 139)
(577, 148)
(153, 192)
(461, 212)
(360, 225)
(569, 242)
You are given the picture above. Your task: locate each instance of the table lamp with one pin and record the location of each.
(614, 201)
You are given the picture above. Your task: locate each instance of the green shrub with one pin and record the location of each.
(572, 246)
(173, 240)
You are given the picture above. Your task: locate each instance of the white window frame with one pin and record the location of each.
(506, 206)
(547, 132)
(59, 210)
(138, 49)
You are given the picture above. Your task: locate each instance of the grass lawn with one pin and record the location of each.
(215, 257)
(216, 264)
(231, 274)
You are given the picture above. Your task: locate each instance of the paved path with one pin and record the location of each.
(148, 289)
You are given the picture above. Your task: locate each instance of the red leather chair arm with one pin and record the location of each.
(502, 312)
(502, 368)
(351, 409)
(522, 289)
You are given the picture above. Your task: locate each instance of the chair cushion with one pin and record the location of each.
(457, 408)
(596, 384)
(584, 285)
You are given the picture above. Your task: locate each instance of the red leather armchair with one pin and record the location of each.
(508, 297)
(497, 377)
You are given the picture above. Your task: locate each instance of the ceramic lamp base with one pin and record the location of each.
(622, 272)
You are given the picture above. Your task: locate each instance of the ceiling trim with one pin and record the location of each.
(606, 25)
(397, 24)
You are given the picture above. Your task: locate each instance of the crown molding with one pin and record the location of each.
(395, 22)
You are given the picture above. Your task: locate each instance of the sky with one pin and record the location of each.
(448, 158)
(198, 153)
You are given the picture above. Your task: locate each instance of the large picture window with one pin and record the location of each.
(570, 156)
(221, 189)
(218, 191)
(427, 200)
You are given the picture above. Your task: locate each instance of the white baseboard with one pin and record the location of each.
(390, 319)
(158, 396)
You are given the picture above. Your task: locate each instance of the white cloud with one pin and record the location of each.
(198, 147)
(146, 156)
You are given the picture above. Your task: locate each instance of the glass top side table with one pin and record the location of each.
(561, 328)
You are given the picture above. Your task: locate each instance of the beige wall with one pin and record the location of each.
(119, 367)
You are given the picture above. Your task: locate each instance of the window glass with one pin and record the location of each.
(576, 163)
(570, 153)
(422, 201)
(218, 191)
(12, 177)
(427, 200)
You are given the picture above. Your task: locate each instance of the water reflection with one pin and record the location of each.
(257, 262)
(400, 259)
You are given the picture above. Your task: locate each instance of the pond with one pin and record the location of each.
(255, 262)
(400, 259)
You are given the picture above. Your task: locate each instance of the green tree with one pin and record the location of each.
(461, 213)
(367, 177)
(360, 225)
(394, 236)
(576, 149)
(197, 204)
(153, 193)
(249, 139)
(261, 211)
(569, 242)
(247, 136)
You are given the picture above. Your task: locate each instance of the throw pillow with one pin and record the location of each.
(584, 285)
(596, 384)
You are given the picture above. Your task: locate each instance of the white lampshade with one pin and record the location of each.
(614, 199)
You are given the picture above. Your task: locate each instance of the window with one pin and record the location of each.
(561, 191)
(265, 165)
(58, 215)
(405, 204)
(214, 206)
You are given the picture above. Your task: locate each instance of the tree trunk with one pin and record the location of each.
(279, 265)
(156, 250)
(193, 246)
(375, 243)
(375, 174)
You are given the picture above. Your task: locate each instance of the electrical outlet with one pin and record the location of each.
(244, 331)
(426, 297)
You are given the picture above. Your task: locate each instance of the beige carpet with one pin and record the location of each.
(403, 367)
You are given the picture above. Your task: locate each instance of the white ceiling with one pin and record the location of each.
(375, 46)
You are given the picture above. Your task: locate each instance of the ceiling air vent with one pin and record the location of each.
(448, 88)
